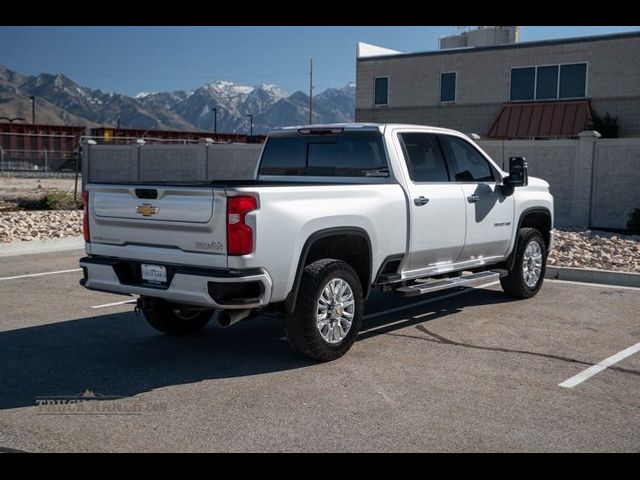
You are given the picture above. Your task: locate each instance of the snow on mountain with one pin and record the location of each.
(270, 105)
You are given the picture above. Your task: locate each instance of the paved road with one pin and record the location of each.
(472, 371)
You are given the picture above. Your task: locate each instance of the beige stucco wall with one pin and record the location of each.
(483, 78)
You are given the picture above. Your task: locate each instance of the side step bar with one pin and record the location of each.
(464, 281)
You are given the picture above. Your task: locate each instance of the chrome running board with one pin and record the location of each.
(463, 281)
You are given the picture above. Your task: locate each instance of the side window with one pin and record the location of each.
(424, 158)
(466, 162)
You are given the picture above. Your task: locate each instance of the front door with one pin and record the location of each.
(489, 213)
(437, 206)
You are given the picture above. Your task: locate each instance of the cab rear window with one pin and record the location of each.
(348, 155)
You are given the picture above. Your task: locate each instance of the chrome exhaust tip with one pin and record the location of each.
(226, 318)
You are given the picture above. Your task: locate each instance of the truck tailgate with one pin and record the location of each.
(156, 223)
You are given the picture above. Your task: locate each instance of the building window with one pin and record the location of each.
(448, 87)
(381, 93)
(523, 82)
(549, 82)
(573, 80)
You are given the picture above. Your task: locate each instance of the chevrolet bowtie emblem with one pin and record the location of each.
(146, 209)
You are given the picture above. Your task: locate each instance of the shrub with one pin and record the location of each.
(607, 126)
(634, 222)
(62, 201)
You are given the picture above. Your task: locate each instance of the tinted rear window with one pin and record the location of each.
(347, 155)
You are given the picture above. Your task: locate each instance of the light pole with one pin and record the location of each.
(215, 120)
(250, 115)
(33, 109)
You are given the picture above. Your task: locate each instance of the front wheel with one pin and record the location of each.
(328, 313)
(527, 274)
(176, 320)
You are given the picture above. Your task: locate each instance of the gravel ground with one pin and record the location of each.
(40, 225)
(596, 249)
(585, 249)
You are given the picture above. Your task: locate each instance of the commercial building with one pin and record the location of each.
(541, 89)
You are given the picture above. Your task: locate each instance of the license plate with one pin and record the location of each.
(153, 273)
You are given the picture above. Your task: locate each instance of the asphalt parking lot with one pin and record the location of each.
(454, 371)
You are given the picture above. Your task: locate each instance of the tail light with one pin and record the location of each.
(239, 234)
(85, 217)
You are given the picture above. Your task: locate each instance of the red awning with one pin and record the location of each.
(542, 119)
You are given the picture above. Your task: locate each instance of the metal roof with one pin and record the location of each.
(542, 119)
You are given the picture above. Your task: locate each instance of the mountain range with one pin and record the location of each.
(60, 100)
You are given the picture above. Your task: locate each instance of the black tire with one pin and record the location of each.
(514, 283)
(301, 327)
(172, 320)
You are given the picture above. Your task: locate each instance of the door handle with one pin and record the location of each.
(473, 198)
(419, 201)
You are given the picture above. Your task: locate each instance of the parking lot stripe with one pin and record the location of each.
(424, 302)
(585, 284)
(607, 362)
(124, 302)
(40, 274)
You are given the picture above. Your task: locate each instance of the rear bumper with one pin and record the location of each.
(206, 287)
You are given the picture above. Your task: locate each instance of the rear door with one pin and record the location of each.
(437, 206)
(160, 218)
(489, 213)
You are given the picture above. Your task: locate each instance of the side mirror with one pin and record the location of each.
(518, 176)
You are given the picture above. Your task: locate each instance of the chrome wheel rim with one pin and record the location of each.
(335, 310)
(532, 264)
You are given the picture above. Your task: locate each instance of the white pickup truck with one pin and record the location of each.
(333, 212)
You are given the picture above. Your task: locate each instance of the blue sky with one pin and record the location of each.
(133, 59)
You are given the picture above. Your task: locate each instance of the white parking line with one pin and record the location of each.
(40, 274)
(124, 302)
(607, 362)
(588, 284)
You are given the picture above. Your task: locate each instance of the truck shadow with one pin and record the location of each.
(119, 354)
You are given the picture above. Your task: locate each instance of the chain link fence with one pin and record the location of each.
(38, 161)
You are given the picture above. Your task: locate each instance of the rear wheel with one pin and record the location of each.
(527, 274)
(176, 319)
(328, 313)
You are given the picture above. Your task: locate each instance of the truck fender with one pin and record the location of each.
(290, 301)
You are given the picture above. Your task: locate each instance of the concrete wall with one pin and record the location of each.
(483, 78)
(179, 163)
(595, 182)
(616, 181)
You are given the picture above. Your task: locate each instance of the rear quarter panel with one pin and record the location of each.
(287, 216)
